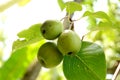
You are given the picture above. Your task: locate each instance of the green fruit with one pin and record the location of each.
(51, 29)
(69, 43)
(49, 56)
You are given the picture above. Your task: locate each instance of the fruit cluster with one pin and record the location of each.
(68, 43)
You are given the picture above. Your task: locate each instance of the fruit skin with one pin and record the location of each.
(69, 43)
(49, 56)
(51, 29)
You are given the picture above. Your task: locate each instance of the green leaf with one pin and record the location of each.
(87, 13)
(106, 26)
(92, 22)
(72, 6)
(32, 32)
(27, 37)
(61, 4)
(99, 14)
(15, 67)
(88, 64)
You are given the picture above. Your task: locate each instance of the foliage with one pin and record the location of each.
(92, 60)
(70, 6)
(24, 52)
(83, 65)
(27, 37)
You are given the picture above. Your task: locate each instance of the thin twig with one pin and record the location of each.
(116, 72)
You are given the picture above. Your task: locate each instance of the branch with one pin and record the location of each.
(8, 4)
(116, 72)
(32, 71)
(68, 24)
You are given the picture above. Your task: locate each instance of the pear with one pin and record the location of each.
(48, 55)
(69, 43)
(51, 29)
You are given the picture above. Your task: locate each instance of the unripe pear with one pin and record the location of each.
(51, 29)
(69, 43)
(49, 56)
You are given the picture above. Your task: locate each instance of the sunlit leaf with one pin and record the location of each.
(99, 14)
(71, 7)
(32, 32)
(28, 36)
(88, 64)
(61, 4)
(15, 67)
(23, 2)
(106, 26)
(92, 22)
(87, 13)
